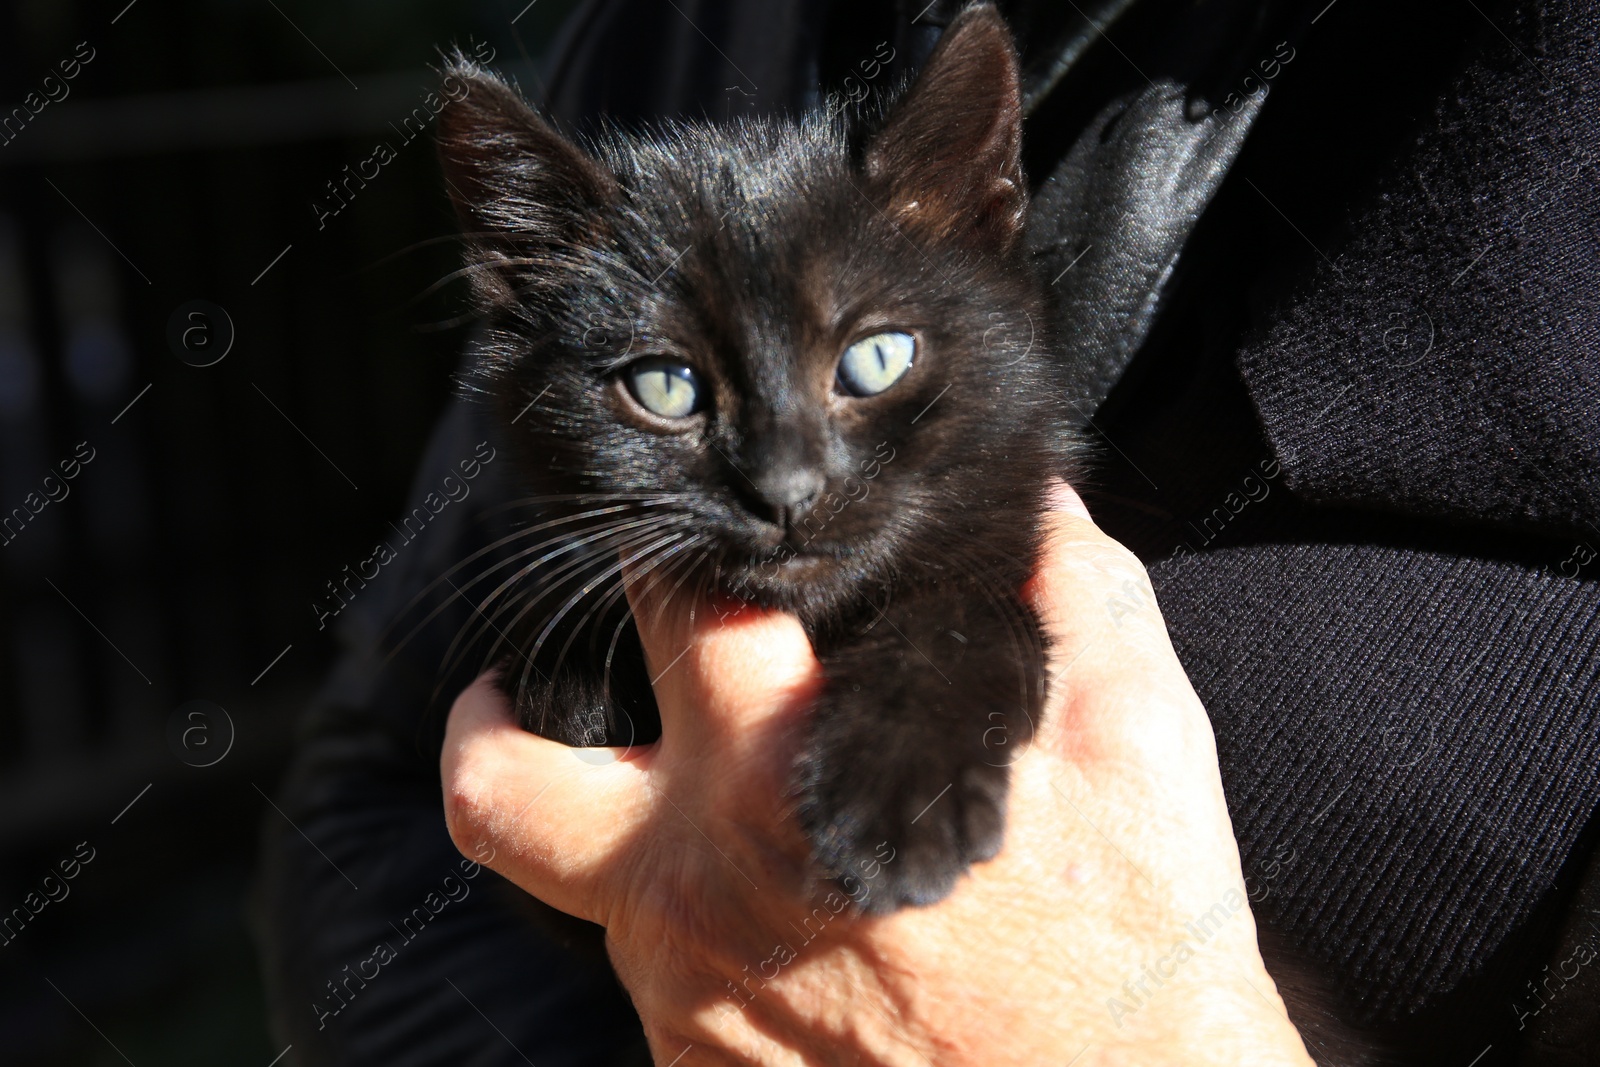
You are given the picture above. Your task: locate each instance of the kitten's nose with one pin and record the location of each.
(781, 496)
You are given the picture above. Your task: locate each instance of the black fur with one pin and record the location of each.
(755, 254)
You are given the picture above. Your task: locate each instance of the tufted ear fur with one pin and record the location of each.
(949, 158)
(522, 190)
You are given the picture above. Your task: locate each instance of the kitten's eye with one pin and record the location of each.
(870, 366)
(663, 387)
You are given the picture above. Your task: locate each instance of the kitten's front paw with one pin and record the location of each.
(898, 828)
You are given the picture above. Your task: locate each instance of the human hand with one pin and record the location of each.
(1111, 929)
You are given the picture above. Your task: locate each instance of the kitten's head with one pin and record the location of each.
(811, 349)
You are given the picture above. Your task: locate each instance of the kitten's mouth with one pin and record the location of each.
(778, 577)
(803, 565)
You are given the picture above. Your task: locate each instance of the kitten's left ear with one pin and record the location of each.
(520, 187)
(950, 154)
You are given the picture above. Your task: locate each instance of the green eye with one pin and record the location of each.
(870, 366)
(662, 387)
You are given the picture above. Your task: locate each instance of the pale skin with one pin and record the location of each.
(1065, 945)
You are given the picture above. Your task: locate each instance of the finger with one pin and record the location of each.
(723, 670)
(1065, 498)
(555, 820)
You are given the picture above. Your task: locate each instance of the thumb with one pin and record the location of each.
(554, 820)
(1121, 694)
(1091, 591)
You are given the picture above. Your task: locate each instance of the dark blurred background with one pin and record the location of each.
(157, 634)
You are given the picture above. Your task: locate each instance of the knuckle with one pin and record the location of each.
(467, 813)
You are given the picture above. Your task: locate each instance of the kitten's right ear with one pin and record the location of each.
(519, 186)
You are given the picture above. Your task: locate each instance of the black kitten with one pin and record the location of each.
(800, 363)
